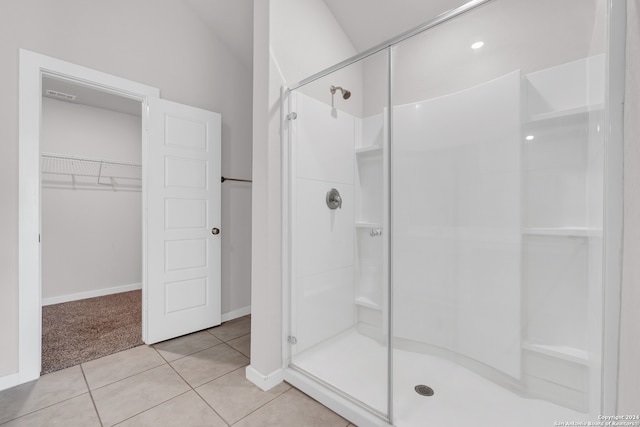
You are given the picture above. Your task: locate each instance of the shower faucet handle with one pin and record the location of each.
(333, 199)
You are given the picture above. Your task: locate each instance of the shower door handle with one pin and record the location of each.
(333, 199)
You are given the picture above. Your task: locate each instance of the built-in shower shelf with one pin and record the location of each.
(372, 149)
(585, 109)
(366, 224)
(570, 354)
(366, 302)
(562, 231)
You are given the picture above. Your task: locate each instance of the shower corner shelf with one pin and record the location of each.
(366, 224)
(366, 302)
(569, 354)
(562, 231)
(584, 109)
(371, 149)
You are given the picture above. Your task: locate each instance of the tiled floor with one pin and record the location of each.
(195, 380)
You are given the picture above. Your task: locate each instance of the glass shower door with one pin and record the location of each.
(497, 159)
(338, 234)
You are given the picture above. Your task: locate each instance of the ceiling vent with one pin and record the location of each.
(60, 95)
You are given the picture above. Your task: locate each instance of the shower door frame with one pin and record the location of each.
(328, 395)
(613, 215)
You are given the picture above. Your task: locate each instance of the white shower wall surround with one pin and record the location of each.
(324, 244)
(496, 248)
(457, 231)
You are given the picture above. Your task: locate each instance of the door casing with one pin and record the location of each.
(33, 67)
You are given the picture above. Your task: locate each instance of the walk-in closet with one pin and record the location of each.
(91, 222)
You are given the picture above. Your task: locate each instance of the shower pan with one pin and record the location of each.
(446, 220)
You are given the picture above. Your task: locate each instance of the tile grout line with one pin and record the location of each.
(245, 416)
(209, 405)
(91, 395)
(186, 355)
(39, 409)
(223, 375)
(165, 401)
(200, 351)
(196, 392)
(238, 337)
(46, 406)
(153, 407)
(191, 388)
(129, 376)
(164, 361)
(238, 351)
(265, 404)
(222, 341)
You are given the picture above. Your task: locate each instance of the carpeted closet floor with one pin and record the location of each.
(78, 331)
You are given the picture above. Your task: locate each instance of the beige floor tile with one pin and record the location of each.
(209, 364)
(242, 344)
(118, 366)
(293, 409)
(76, 412)
(186, 345)
(234, 397)
(185, 410)
(232, 329)
(121, 400)
(46, 391)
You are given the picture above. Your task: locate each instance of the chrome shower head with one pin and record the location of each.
(345, 93)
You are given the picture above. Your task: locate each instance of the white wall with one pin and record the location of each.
(629, 369)
(91, 233)
(161, 43)
(307, 28)
(305, 38)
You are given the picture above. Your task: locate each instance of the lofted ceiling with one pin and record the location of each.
(368, 23)
(365, 22)
(232, 22)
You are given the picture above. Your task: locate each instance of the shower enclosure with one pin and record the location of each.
(446, 218)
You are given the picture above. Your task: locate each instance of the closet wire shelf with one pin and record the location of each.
(57, 168)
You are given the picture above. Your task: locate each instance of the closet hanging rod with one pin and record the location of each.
(88, 159)
(223, 179)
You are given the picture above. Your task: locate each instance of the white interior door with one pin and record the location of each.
(183, 220)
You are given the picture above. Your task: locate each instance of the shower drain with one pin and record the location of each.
(423, 390)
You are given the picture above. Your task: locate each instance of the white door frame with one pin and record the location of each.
(32, 67)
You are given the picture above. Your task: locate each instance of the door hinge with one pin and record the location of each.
(292, 116)
(292, 340)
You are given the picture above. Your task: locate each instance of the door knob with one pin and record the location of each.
(215, 231)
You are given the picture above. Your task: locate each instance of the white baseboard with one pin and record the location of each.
(9, 381)
(91, 294)
(234, 314)
(264, 382)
